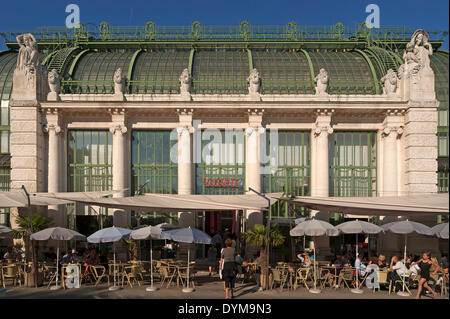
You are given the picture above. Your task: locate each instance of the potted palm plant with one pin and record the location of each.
(258, 237)
(39, 223)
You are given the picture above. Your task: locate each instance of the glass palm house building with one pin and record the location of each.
(349, 137)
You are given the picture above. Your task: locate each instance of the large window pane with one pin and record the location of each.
(222, 165)
(353, 164)
(152, 168)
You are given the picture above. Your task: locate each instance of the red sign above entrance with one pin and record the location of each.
(221, 182)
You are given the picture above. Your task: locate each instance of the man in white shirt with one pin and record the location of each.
(360, 266)
(400, 269)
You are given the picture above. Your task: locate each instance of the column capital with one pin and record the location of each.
(328, 129)
(119, 128)
(396, 130)
(52, 128)
(185, 129)
(254, 130)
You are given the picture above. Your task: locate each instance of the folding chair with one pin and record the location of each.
(346, 276)
(301, 277)
(382, 279)
(99, 272)
(11, 272)
(182, 275)
(324, 277)
(279, 276)
(167, 273)
(132, 274)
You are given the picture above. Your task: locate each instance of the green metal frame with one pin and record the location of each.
(191, 60)
(87, 171)
(289, 178)
(348, 175)
(250, 61)
(206, 173)
(443, 182)
(311, 67)
(376, 83)
(88, 34)
(74, 62)
(150, 161)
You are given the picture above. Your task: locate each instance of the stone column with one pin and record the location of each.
(120, 166)
(186, 176)
(185, 169)
(393, 129)
(54, 182)
(252, 161)
(320, 168)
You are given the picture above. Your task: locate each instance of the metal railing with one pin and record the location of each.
(243, 31)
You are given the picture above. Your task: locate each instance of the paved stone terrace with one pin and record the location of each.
(206, 288)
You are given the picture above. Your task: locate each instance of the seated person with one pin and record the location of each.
(339, 261)
(240, 262)
(382, 261)
(75, 257)
(67, 258)
(373, 260)
(9, 254)
(359, 265)
(307, 260)
(400, 270)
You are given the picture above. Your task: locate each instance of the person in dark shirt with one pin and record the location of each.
(228, 266)
(425, 264)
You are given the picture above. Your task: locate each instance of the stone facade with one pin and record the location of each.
(405, 121)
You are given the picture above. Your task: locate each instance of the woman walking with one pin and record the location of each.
(425, 264)
(228, 266)
(212, 259)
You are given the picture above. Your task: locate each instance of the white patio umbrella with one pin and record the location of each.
(440, 230)
(191, 236)
(313, 228)
(358, 227)
(407, 227)
(301, 220)
(149, 232)
(59, 234)
(108, 235)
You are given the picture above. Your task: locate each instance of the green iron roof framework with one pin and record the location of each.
(198, 32)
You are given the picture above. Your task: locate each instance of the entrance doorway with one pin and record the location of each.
(219, 221)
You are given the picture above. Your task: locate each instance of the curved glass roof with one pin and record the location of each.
(95, 71)
(157, 72)
(439, 64)
(225, 71)
(348, 72)
(220, 72)
(283, 72)
(8, 62)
